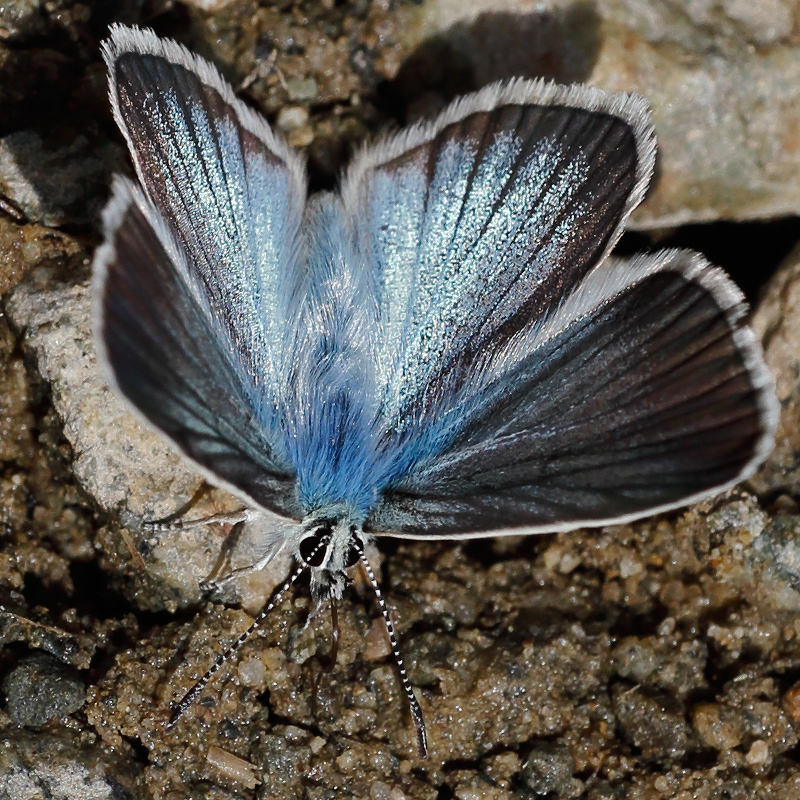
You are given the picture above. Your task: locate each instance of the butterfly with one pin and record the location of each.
(442, 349)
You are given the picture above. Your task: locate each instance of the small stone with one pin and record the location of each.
(301, 89)
(757, 754)
(40, 688)
(253, 673)
(301, 137)
(718, 726)
(791, 702)
(652, 722)
(379, 791)
(291, 118)
(629, 566)
(548, 768)
(667, 626)
(569, 562)
(552, 557)
(635, 658)
(21, 20)
(347, 761)
(378, 644)
(209, 6)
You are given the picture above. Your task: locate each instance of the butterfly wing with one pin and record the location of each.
(641, 393)
(500, 321)
(195, 282)
(477, 223)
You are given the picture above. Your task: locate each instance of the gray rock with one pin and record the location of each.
(723, 80)
(124, 466)
(56, 185)
(61, 766)
(75, 649)
(777, 323)
(654, 723)
(548, 768)
(128, 469)
(40, 688)
(775, 559)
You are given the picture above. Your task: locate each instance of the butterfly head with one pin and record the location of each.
(329, 545)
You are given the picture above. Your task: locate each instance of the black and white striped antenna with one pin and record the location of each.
(179, 709)
(413, 703)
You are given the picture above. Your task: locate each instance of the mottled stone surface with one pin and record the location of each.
(55, 184)
(59, 765)
(777, 322)
(723, 79)
(40, 689)
(645, 661)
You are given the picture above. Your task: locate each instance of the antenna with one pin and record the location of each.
(191, 695)
(414, 707)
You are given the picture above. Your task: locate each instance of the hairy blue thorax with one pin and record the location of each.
(330, 403)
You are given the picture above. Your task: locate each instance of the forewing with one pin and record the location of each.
(641, 393)
(231, 192)
(481, 221)
(171, 363)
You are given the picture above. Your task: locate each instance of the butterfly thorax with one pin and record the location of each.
(330, 405)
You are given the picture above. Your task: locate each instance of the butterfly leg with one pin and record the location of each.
(228, 518)
(214, 584)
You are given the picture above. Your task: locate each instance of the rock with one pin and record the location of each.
(777, 550)
(129, 470)
(777, 323)
(548, 768)
(718, 726)
(40, 688)
(723, 80)
(758, 702)
(791, 703)
(61, 766)
(23, 247)
(124, 467)
(209, 6)
(56, 184)
(291, 118)
(301, 89)
(664, 661)
(652, 722)
(68, 647)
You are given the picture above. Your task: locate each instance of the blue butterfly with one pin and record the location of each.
(443, 349)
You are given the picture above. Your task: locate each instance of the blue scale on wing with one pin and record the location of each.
(198, 280)
(473, 233)
(230, 201)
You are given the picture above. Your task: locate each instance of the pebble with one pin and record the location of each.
(40, 688)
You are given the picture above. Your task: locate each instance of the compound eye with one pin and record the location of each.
(314, 547)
